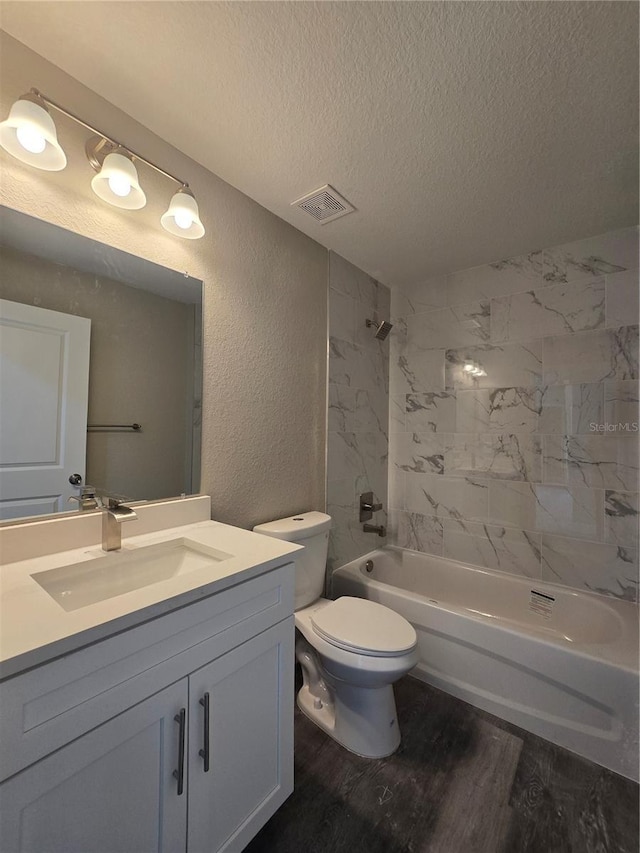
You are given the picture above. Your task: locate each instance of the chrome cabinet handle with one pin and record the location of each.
(204, 753)
(178, 774)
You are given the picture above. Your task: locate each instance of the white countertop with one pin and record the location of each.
(34, 628)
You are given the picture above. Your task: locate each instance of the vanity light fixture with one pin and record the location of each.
(182, 217)
(29, 134)
(117, 180)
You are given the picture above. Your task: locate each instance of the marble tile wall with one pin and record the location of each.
(357, 444)
(528, 468)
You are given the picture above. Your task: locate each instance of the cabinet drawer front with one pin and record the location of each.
(49, 706)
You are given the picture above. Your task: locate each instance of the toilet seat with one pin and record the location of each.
(364, 627)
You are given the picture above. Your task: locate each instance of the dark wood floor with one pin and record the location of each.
(462, 781)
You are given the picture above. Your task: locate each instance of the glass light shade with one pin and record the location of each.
(29, 134)
(119, 172)
(182, 217)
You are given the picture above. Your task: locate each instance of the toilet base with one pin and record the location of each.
(362, 720)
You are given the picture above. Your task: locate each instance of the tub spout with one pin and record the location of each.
(380, 529)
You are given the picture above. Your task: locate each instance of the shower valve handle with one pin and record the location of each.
(367, 506)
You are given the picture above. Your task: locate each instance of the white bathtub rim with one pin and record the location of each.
(497, 573)
(592, 651)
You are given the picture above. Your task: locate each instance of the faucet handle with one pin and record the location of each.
(367, 506)
(86, 499)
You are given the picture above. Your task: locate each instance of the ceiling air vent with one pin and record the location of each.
(324, 204)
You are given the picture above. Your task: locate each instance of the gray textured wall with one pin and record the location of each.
(264, 301)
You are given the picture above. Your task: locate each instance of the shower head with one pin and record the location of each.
(382, 329)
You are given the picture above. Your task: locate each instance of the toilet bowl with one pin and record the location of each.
(351, 650)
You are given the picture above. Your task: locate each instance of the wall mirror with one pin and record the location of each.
(100, 372)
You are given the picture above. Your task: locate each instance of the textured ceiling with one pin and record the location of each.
(461, 131)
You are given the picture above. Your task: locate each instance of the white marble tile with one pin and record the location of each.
(416, 372)
(371, 411)
(416, 532)
(342, 316)
(492, 280)
(591, 356)
(621, 518)
(592, 257)
(359, 455)
(498, 410)
(396, 486)
(571, 409)
(417, 298)
(598, 461)
(342, 408)
(463, 325)
(505, 365)
(431, 494)
(421, 453)
(504, 456)
(431, 412)
(552, 310)
(580, 260)
(356, 366)
(597, 567)
(345, 456)
(570, 510)
(341, 493)
(623, 290)
(350, 280)
(397, 413)
(622, 403)
(504, 549)
(383, 300)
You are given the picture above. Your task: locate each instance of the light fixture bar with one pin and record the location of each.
(106, 136)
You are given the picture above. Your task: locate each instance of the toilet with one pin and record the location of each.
(351, 650)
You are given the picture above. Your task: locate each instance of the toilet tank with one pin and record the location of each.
(310, 529)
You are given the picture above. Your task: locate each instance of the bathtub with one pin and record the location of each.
(555, 661)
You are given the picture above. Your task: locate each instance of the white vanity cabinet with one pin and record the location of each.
(103, 750)
(110, 790)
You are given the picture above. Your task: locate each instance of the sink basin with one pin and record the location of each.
(81, 584)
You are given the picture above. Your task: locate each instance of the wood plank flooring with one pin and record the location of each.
(462, 781)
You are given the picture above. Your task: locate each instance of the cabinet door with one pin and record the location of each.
(250, 701)
(110, 791)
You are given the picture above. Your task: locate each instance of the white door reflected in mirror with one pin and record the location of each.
(44, 389)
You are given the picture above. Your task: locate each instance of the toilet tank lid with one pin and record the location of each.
(296, 527)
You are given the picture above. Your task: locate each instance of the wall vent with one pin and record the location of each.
(324, 204)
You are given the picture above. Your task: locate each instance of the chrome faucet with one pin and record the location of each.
(112, 517)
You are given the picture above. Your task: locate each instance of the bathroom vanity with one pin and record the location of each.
(155, 718)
